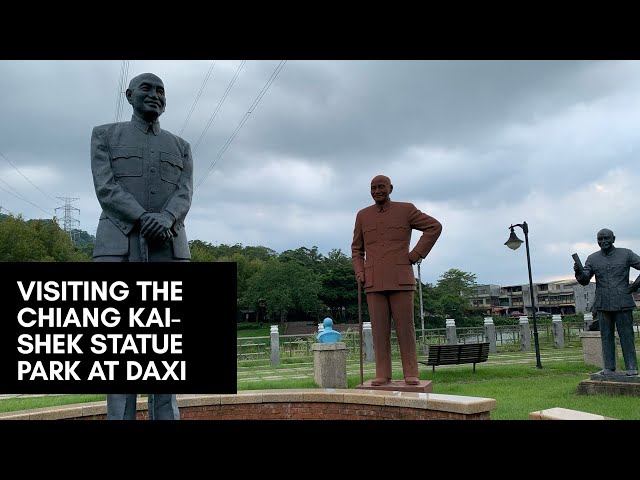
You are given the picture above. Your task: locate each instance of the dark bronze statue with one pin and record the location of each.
(614, 302)
(143, 178)
(382, 262)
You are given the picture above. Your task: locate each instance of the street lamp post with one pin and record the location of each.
(513, 243)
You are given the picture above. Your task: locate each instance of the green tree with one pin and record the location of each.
(259, 253)
(429, 305)
(246, 268)
(84, 241)
(36, 241)
(285, 287)
(309, 258)
(336, 257)
(201, 251)
(338, 289)
(452, 293)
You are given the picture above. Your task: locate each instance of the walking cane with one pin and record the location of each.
(144, 249)
(360, 327)
(424, 346)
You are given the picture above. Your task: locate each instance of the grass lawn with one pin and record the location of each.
(254, 332)
(28, 403)
(509, 377)
(518, 387)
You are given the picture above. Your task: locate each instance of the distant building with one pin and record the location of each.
(486, 298)
(562, 297)
(584, 297)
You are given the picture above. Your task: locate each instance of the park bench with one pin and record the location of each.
(457, 354)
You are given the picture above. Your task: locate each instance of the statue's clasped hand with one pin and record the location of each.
(156, 226)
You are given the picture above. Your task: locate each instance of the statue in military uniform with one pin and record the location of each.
(382, 263)
(614, 302)
(143, 178)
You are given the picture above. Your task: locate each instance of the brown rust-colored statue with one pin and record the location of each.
(382, 262)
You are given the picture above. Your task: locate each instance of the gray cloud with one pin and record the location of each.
(477, 144)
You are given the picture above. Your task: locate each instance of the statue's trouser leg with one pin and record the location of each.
(163, 406)
(402, 313)
(121, 406)
(607, 324)
(380, 315)
(624, 324)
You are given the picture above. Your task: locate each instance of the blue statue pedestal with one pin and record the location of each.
(399, 386)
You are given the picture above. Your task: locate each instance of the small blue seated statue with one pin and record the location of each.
(329, 335)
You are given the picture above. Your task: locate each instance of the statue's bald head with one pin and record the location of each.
(381, 188)
(381, 179)
(605, 239)
(605, 231)
(146, 96)
(138, 79)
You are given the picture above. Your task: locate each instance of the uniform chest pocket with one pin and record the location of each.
(126, 161)
(397, 231)
(170, 167)
(370, 235)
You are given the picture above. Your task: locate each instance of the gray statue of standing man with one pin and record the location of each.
(143, 177)
(614, 303)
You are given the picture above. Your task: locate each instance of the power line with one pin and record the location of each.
(23, 199)
(27, 178)
(119, 93)
(193, 107)
(15, 193)
(224, 96)
(124, 73)
(242, 122)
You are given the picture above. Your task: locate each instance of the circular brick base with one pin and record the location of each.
(308, 404)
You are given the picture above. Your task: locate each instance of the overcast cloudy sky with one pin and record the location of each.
(478, 145)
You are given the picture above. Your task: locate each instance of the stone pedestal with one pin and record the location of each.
(565, 414)
(450, 326)
(399, 386)
(588, 320)
(275, 345)
(367, 334)
(558, 331)
(490, 334)
(618, 384)
(592, 349)
(525, 332)
(330, 364)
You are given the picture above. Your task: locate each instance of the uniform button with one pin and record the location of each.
(153, 190)
(153, 170)
(153, 151)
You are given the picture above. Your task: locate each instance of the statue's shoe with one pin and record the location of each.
(607, 371)
(380, 381)
(632, 372)
(411, 380)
